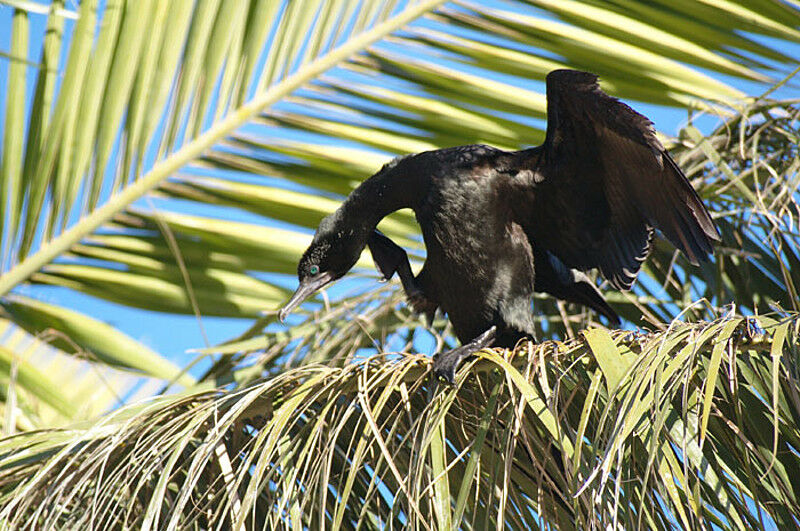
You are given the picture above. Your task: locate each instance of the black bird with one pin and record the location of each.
(500, 225)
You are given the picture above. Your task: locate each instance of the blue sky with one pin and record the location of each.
(171, 335)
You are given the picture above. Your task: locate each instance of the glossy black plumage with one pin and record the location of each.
(500, 225)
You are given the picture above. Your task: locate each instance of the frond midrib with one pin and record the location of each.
(195, 148)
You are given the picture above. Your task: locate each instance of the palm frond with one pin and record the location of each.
(44, 386)
(662, 430)
(176, 161)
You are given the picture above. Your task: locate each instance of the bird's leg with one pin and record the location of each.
(446, 364)
(389, 259)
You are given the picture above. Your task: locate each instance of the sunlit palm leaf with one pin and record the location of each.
(279, 109)
(43, 386)
(616, 429)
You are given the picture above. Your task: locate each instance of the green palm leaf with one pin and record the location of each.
(172, 157)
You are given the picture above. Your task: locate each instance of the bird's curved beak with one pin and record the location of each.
(306, 288)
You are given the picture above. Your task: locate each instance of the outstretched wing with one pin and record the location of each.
(602, 181)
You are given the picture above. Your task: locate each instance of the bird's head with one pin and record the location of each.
(333, 252)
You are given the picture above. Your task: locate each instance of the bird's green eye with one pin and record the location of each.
(314, 269)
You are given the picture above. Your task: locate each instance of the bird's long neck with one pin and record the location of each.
(380, 195)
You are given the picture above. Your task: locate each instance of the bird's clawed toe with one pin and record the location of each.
(446, 364)
(484, 340)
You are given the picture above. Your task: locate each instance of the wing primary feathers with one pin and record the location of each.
(701, 215)
(692, 227)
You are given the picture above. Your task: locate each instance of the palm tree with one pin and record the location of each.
(171, 156)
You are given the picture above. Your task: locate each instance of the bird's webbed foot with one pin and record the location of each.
(422, 304)
(446, 364)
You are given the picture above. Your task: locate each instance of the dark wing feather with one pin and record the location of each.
(602, 181)
(569, 285)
